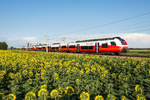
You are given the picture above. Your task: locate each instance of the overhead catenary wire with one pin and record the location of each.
(113, 22)
(116, 22)
(139, 23)
(135, 28)
(146, 29)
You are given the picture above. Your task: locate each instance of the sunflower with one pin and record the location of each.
(30, 73)
(135, 69)
(42, 76)
(124, 98)
(25, 73)
(111, 97)
(12, 96)
(44, 86)
(77, 81)
(69, 90)
(42, 91)
(37, 75)
(137, 87)
(29, 81)
(43, 71)
(61, 92)
(81, 71)
(85, 96)
(110, 67)
(56, 76)
(18, 75)
(30, 95)
(99, 97)
(54, 93)
(140, 97)
(11, 75)
(2, 72)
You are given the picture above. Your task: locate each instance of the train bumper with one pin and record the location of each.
(124, 50)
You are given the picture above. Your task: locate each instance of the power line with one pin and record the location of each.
(113, 22)
(137, 27)
(147, 29)
(138, 23)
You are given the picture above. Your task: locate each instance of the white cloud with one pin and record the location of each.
(137, 40)
(29, 38)
(18, 38)
(18, 41)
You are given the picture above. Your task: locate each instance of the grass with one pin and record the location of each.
(139, 52)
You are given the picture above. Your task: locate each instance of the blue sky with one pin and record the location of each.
(30, 20)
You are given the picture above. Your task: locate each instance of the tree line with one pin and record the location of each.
(3, 46)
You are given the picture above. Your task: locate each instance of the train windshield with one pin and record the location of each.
(122, 40)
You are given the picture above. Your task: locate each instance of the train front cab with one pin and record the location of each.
(124, 46)
(112, 46)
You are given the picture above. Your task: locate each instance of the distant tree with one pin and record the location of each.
(12, 48)
(3, 46)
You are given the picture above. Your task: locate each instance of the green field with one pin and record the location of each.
(139, 52)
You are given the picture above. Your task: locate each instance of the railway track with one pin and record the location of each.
(108, 55)
(111, 55)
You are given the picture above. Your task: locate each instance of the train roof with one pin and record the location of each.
(55, 43)
(102, 39)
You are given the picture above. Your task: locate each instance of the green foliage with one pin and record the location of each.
(69, 77)
(3, 46)
(139, 52)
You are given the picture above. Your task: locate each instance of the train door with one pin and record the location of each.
(78, 45)
(59, 48)
(96, 47)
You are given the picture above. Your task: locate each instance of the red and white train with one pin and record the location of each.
(114, 45)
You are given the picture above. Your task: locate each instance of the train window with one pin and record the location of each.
(122, 41)
(54, 47)
(72, 46)
(104, 45)
(113, 43)
(63, 47)
(90, 47)
(86, 47)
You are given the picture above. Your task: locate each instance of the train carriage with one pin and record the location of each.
(106, 45)
(64, 47)
(114, 45)
(72, 47)
(86, 46)
(38, 48)
(43, 48)
(55, 47)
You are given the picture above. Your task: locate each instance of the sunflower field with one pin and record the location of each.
(29, 75)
